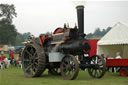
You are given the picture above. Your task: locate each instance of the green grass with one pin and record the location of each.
(15, 76)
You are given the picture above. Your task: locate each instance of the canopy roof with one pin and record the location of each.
(117, 35)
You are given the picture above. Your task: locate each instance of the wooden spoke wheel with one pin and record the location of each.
(69, 67)
(33, 60)
(98, 67)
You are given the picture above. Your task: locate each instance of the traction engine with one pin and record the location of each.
(63, 52)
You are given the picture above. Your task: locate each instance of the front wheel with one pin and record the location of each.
(98, 67)
(33, 60)
(69, 67)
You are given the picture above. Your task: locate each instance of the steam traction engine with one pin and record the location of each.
(62, 53)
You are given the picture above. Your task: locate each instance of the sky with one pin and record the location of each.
(41, 16)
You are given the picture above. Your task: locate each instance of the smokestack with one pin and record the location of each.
(80, 16)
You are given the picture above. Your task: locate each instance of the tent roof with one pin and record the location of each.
(117, 35)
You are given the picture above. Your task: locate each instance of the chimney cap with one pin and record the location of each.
(80, 7)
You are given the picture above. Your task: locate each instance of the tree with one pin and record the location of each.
(7, 34)
(98, 33)
(7, 12)
(26, 35)
(109, 28)
(48, 33)
(19, 39)
(90, 35)
(7, 29)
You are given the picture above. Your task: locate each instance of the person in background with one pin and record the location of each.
(118, 55)
(20, 53)
(18, 60)
(13, 61)
(9, 51)
(2, 53)
(6, 62)
(2, 58)
(12, 55)
(2, 63)
(109, 57)
(102, 55)
(117, 69)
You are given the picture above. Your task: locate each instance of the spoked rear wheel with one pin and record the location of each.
(98, 67)
(69, 67)
(33, 60)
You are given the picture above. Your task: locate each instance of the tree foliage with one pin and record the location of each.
(8, 31)
(19, 39)
(7, 34)
(26, 35)
(98, 33)
(7, 12)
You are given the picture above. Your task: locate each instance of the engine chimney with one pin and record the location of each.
(80, 16)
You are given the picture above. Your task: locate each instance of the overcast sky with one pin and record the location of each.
(40, 16)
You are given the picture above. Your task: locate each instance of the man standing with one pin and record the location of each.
(12, 55)
(118, 55)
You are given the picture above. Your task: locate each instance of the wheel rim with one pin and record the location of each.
(123, 73)
(30, 61)
(98, 69)
(69, 67)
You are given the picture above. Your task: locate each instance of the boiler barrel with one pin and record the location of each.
(77, 45)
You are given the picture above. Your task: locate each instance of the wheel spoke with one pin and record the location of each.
(32, 51)
(100, 71)
(28, 53)
(101, 65)
(68, 61)
(64, 64)
(34, 56)
(28, 68)
(34, 68)
(93, 61)
(36, 63)
(99, 60)
(92, 70)
(95, 72)
(26, 60)
(96, 60)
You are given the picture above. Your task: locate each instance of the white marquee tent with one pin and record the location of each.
(116, 40)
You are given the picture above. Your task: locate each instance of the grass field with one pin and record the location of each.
(15, 76)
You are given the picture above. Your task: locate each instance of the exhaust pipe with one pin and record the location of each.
(80, 16)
